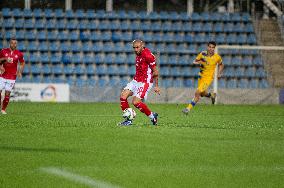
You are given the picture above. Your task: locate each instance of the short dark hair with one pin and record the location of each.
(212, 42)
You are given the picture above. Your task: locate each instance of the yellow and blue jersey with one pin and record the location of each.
(207, 67)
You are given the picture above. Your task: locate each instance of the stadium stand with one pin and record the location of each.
(94, 48)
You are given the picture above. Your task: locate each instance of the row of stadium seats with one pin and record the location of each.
(123, 58)
(127, 25)
(133, 15)
(104, 81)
(118, 36)
(165, 71)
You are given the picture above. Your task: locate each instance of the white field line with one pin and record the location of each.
(77, 178)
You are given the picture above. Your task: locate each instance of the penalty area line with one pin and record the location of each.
(77, 178)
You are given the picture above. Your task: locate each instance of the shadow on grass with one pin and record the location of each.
(27, 149)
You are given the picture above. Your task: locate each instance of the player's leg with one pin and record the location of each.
(2, 86)
(0, 98)
(138, 103)
(5, 102)
(202, 86)
(123, 98)
(8, 86)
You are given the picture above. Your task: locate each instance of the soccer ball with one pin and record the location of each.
(129, 113)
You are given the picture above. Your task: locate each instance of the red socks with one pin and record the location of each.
(5, 102)
(143, 108)
(123, 104)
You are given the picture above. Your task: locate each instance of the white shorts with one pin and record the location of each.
(6, 84)
(139, 89)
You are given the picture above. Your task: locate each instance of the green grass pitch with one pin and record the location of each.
(214, 146)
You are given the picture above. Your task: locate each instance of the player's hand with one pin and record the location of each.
(2, 69)
(157, 90)
(219, 75)
(19, 74)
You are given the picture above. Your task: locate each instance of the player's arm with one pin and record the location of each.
(155, 73)
(199, 59)
(156, 80)
(220, 69)
(21, 67)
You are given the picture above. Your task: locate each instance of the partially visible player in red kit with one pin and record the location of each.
(139, 87)
(9, 58)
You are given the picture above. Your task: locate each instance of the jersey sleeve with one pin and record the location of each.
(151, 60)
(21, 58)
(220, 61)
(199, 56)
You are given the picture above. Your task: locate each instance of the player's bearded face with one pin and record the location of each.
(211, 49)
(13, 44)
(138, 47)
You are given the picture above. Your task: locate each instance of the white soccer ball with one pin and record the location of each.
(129, 113)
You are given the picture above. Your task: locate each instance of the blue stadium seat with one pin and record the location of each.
(236, 60)
(90, 14)
(240, 72)
(38, 13)
(247, 60)
(79, 70)
(228, 27)
(32, 46)
(44, 58)
(9, 23)
(99, 58)
(35, 69)
(232, 38)
(53, 35)
(76, 58)
(249, 28)
(41, 35)
(178, 82)
(46, 70)
(123, 70)
(218, 27)
(167, 82)
(260, 72)
(101, 70)
(48, 13)
(251, 39)
(229, 72)
(263, 83)
(90, 70)
(68, 69)
(109, 58)
(91, 82)
(58, 13)
(102, 82)
(253, 83)
(221, 38)
(189, 82)
(76, 47)
(57, 69)
(17, 13)
(232, 83)
(56, 58)
(6, 12)
(243, 83)
(250, 72)
(221, 83)
(257, 61)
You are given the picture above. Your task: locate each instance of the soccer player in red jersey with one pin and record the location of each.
(9, 58)
(146, 74)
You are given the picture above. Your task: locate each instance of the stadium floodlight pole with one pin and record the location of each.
(189, 7)
(27, 4)
(109, 5)
(150, 6)
(68, 4)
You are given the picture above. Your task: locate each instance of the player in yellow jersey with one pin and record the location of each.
(207, 60)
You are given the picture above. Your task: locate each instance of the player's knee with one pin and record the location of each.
(136, 101)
